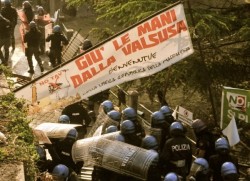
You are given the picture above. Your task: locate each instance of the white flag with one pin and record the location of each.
(174, 114)
(231, 132)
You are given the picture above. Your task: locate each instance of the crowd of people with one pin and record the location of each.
(33, 34)
(174, 162)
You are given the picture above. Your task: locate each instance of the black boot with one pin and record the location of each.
(31, 70)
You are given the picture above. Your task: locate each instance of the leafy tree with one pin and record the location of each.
(220, 36)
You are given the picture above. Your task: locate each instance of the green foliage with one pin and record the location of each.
(101, 33)
(20, 146)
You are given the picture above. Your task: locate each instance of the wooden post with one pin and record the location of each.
(133, 99)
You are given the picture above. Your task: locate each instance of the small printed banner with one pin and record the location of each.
(185, 115)
(141, 50)
(235, 103)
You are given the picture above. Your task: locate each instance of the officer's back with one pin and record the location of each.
(176, 155)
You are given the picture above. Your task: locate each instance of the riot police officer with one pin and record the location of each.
(86, 45)
(223, 155)
(107, 106)
(200, 170)
(176, 155)
(62, 173)
(158, 121)
(10, 13)
(64, 119)
(130, 113)
(167, 112)
(111, 129)
(229, 172)
(33, 38)
(149, 142)
(60, 151)
(57, 39)
(128, 130)
(172, 177)
(78, 114)
(204, 139)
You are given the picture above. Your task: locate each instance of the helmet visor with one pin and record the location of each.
(195, 168)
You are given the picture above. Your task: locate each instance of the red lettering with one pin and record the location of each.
(163, 35)
(145, 45)
(181, 26)
(124, 40)
(144, 28)
(90, 58)
(76, 80)
(155, 24)
(127, 49)
(80, 63)
(172, 31)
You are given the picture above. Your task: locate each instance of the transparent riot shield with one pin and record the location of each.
(156, 132)
(116, 156)
(102, 122)
(54, 130)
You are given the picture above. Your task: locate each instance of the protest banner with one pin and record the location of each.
(139, 51)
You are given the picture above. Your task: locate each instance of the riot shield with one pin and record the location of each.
(156, 132)
(116, 156)
(102, 122)
(54, 130)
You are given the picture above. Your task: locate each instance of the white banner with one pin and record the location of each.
(140, 51)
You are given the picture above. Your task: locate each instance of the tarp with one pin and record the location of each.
(235, 103)
(114, 155)
(139, 51)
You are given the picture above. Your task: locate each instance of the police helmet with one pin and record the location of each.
(149, 142)
(86, 44)
(176, 126)
(56, 29)
(107, 106)
(111, 129)
(166, 110)
(228, 168)
(127, 127)
(199, 165)
(32, 24)
(120, 138)
(64, 119)
(115, 115)
(26, 4)
(40, 8)
(73, 134)
(61, 171)
(171, 177)
(129, 113)
(221, 143)
(198, 125)
(201, 161)
(157, 118)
